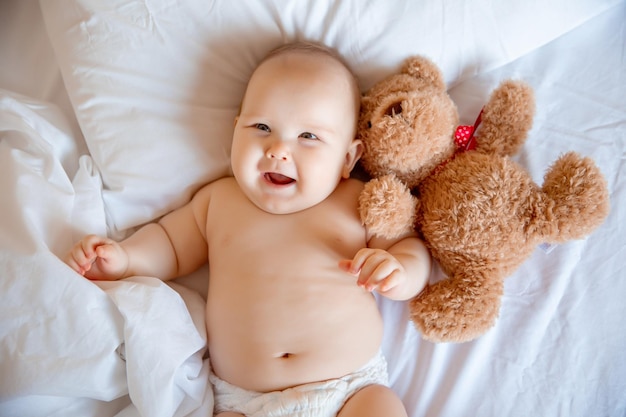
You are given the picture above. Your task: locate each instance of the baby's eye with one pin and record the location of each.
(308, 135)
(262, 126)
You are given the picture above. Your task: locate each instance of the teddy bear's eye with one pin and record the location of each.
(369, 125)
(394, 109)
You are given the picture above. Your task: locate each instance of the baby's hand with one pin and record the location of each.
(98, 258)
(377, 270)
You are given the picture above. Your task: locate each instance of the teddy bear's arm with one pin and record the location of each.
(506, 119)
(387, 208)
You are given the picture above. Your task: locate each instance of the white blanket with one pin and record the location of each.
(68, 346)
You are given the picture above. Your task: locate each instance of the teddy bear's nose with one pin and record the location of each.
(394, 109)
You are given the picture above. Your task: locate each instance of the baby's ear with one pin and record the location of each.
(235, 121)
(352, 156)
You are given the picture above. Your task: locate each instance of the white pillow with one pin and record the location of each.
(156, 84)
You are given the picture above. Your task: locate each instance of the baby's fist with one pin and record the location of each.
(98, 258)
(376, 269)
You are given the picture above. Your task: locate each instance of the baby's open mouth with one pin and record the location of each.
(278, 179)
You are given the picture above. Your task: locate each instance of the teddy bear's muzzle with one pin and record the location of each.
(394, 109)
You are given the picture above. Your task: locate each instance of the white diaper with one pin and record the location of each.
(317, 399)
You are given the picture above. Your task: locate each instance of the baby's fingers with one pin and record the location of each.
(110, 264)
(80, 258)
(373, 274)
(389, 283)
(83, 255)
(364, 257)
(107, 253)
(378, 266)
(79, 265)
(91, 243)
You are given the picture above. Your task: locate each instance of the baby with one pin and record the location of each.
(293, 327)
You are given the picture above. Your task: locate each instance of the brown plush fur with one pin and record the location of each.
(480, 214)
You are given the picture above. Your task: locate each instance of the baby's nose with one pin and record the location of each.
(278, 150)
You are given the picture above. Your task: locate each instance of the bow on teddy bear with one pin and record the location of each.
(480, 213)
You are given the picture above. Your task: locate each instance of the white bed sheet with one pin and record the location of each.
(69, 347)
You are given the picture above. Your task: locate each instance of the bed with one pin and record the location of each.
(113, 113)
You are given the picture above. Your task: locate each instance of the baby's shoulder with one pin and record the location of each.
(203, 196)
(346, 196)
(219, 185)
(349, 189)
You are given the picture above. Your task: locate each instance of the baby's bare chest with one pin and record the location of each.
(327, 232)
(288, 261)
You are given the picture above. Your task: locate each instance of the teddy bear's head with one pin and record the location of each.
(407, 123)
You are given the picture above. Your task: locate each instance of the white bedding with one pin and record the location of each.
(70, 347)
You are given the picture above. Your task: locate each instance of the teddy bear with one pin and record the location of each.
(480, 214)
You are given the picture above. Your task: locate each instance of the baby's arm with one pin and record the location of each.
(396, 269)
(174, 246)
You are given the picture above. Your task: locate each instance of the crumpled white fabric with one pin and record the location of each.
(68, 346)
(164, 344)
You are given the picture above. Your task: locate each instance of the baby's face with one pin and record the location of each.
(294, 137)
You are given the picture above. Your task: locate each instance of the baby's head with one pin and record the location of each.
(294, 137)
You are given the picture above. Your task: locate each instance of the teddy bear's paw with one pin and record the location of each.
(387, 208)
(577, 197)
(456, 310)
(507, 118)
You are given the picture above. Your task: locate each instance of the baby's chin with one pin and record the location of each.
(285, 198)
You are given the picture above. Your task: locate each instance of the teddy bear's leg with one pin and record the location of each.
(576, 199)
(506, 119)
(458, 309)
(387, 208)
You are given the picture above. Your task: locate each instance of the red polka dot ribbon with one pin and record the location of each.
(464, 135)
(464, 140)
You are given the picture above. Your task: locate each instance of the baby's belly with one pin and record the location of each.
(289, 331)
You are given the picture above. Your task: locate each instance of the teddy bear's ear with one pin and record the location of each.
(423, 68)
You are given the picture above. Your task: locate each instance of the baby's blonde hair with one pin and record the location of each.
(324, 50)
(313, 48)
